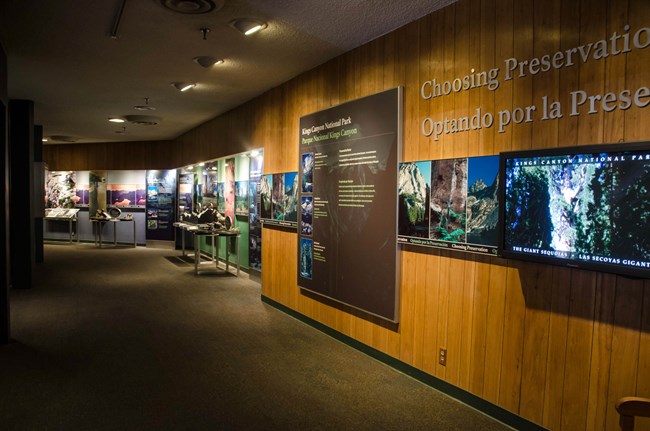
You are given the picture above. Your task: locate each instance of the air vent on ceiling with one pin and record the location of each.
(194, 7)
(143, 120)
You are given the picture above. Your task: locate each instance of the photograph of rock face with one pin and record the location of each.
(277, 197)
(241, 197)
(266, 183)
(483, 200)
(414, 191)
(291, 196)
(448, 212)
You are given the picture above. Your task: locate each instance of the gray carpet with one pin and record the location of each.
(131, 339)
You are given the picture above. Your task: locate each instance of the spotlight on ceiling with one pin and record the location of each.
(207, 61)
(182, 86)
(116, 120)
(248, 26)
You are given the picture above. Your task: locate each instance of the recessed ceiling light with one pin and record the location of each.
(44, 139)
(248, 26)
(192, 7)
(116, 120)
(182, 86)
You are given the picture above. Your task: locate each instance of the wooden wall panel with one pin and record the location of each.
(554, 345)
(556, 363)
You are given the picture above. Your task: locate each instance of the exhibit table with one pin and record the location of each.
(64, 214)
(198, 234)
(70, 219)
(185, 227)
(99, 223)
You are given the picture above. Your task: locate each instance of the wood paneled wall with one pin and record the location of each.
(110, 156)
(554, 345)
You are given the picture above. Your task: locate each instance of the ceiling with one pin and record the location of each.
(61, 55)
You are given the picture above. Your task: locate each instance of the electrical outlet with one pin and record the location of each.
(442, 356)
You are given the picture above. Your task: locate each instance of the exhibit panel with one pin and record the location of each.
(348, 200)
(68, 196)
(256, 169)
(214, 195)
(161, 204)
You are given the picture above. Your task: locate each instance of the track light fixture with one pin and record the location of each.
(182, 86)
(248, 26)
(207, 61)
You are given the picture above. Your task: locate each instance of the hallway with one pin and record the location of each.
(131, 339)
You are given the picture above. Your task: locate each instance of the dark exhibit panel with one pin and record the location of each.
(348, 197)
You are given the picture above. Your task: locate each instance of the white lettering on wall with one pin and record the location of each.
(580, 100)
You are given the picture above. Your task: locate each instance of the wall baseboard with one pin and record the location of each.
(498, 413)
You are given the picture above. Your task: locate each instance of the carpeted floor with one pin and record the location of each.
(130, 339)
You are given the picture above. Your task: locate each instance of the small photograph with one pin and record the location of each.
(140, 195)
(254, 205)
(210, 182)
(277, 197)
(266, 183)
(241, 197)
(152, 224)
(483, 200)
(221, 197)
(121, 195)
(308, 173)
(82, 196)
(152, 193)
(448, 204)
(306, 247)
(152, 213)
(291, 196)
(60, 190)
(306, 215)
(414, 189)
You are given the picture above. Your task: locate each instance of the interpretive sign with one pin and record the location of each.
(347, 231)
(450, 203)
(279, 199)
(161, 203)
